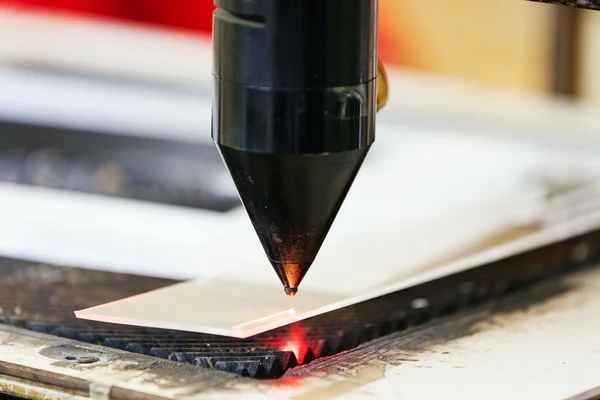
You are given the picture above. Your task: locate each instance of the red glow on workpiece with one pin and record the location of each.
(297, 342)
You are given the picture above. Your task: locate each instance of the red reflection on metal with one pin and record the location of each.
(290, 385)
(296, 341)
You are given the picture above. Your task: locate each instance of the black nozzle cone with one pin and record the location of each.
(292, 200)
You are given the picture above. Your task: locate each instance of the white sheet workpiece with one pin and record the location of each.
(411, 206)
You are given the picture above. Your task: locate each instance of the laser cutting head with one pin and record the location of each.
(295, 98)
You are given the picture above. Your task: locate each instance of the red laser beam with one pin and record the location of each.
(297, 342)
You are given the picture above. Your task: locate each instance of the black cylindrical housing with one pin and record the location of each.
(294, 76)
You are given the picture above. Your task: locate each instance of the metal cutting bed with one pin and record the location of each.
(42, 298)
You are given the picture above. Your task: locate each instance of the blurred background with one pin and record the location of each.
(135, 76)
(113, 98)
(515, 44)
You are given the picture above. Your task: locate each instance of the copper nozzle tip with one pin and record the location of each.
(291, 291)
